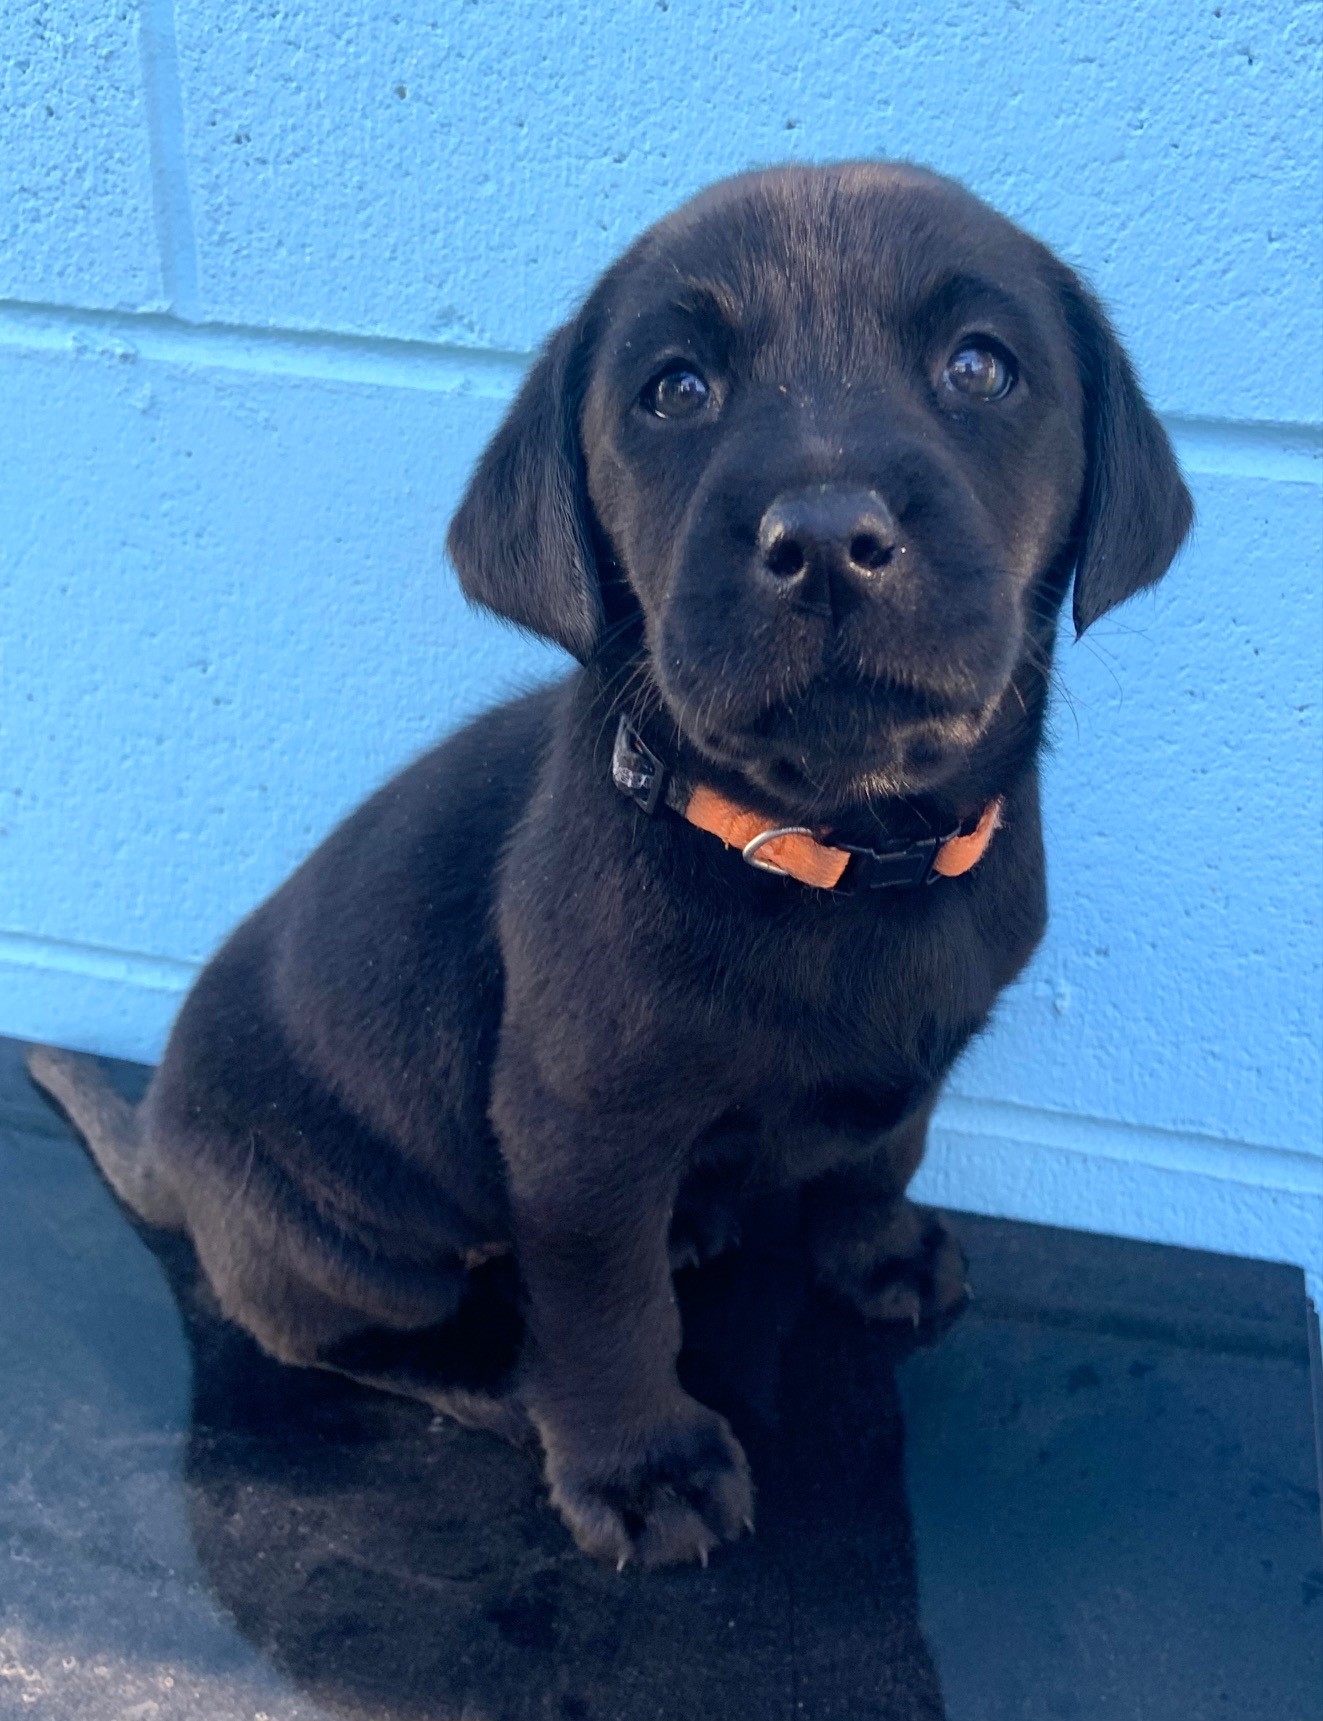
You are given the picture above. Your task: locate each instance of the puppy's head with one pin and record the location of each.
(834, 440)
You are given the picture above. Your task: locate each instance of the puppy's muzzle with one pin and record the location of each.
(823, 546)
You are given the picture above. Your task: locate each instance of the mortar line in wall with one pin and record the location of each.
(36, 950)
(1166, 1148)
(172, 204)
(383, 361)
(1289, 452)
(960, 1114)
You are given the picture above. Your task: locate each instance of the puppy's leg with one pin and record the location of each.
(894, 1260)
(450, 1339)
(638, 1469)
(466, 1368)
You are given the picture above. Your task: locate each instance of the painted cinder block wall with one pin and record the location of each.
(269, 272)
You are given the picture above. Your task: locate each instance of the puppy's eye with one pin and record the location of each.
(980, 373)
(677, 393)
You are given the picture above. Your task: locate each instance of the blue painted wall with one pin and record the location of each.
(268, 273)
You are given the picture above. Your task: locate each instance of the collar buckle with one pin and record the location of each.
(878, 869)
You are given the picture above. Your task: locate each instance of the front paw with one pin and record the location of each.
(663, 1497)
(910, 1269)
(702, 1230)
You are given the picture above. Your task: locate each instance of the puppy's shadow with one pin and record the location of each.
(391, 1565)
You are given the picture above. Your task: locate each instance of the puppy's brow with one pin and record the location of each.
(710, 299)
(965, 292)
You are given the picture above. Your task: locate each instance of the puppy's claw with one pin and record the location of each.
(702, 1558)
(623, 1561)
(748, 1526)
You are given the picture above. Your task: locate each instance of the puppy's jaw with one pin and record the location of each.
(818, 716)
(834, 744)
(902, 759)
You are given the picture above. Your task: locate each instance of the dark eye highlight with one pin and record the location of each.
(678, 392)
(979, 372)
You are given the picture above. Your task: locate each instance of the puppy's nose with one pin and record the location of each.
(812, 538)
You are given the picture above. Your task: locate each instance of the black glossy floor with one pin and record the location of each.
(1096, 1498)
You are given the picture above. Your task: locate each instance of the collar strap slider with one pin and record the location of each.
(636, 770)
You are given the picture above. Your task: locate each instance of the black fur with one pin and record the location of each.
(444, 1111)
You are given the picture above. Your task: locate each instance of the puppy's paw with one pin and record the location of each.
(911, 1270)
(491, 1413)
(671, 1497)
(702, 1230)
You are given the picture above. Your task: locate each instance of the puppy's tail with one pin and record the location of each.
(110, 1126)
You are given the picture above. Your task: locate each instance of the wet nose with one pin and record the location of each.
(812, 536)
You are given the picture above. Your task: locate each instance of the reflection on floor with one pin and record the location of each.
(1097, 1497)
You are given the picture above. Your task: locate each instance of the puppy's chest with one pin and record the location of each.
(790, 1136)
(859, 1009)
(835, 1046)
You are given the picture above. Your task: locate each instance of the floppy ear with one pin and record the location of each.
(1136, 510)
(521, 540)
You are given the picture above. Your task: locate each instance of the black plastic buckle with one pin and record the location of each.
(636, 770)
(878, 869)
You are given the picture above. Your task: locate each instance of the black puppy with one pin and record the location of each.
(802, 486)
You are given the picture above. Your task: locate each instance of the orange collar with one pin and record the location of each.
(795, 851)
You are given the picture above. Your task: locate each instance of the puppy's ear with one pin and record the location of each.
(521, 540)
(1136, 510)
